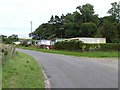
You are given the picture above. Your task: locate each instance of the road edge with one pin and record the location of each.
(46, 80)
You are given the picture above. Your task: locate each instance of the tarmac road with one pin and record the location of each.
(75, 72)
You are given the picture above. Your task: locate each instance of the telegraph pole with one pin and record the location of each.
(31, 31)
(31, 26)
(119, 12)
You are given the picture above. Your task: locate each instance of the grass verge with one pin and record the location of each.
(96, 54)
(0, 64)
(22, 72)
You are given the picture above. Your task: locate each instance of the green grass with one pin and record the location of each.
(0, 70)
(22, 72)
(97, 54)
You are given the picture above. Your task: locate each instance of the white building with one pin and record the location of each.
(17, 43)
(48, 44)
(44, 42)
(90, 40)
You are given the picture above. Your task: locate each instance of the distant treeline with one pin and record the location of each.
(10, 39)
(82, 23)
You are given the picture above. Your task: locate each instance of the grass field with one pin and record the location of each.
(22, 71)
(97, 54)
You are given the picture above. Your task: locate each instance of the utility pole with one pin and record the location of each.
(31, 31)
(31, 26)
(119, 12)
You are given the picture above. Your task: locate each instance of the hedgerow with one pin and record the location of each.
(75, 45)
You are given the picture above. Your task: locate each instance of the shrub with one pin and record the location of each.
(75, 45)
(72, 45)
(103, 47)
(109, 46)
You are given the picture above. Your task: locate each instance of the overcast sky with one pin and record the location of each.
(15, 15)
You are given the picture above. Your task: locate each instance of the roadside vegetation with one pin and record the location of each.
(20, 70)
(93, 54)
(0, 65)
(76, 45)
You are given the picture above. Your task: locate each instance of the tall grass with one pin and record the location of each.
(19, 70)
(22, 72)
(7, 51)
(0, 68)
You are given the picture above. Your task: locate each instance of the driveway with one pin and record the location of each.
(77, 72)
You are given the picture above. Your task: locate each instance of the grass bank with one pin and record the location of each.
(22, 71)
(0, 64)
(97, 54)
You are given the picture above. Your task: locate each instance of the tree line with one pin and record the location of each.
(82, 23)
(10, 39)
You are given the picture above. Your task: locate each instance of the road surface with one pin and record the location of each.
(75, 72)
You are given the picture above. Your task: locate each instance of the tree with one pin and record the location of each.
(81, 23)
(87, 12)
(109, 31)
(115, 11)
(52, 19)
(88, 29)
(6, 40)
(118, 32)
(14, 37)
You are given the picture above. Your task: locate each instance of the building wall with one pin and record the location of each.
(91, 40)
(44, 42)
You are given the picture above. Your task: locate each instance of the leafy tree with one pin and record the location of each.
(118, 32)
(51, 20)
(88, 29)
(77, 17)
(82, 23)
(3, 36)
(6, 40)
(14, 37)
(115, 11)
(109, 31)
(10, 39)
(87, 12)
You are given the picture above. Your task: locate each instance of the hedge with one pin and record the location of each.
(69, 45)
(74, 45)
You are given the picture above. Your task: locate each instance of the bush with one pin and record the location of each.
(72, 45)
(75, 45)
(110, 46)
